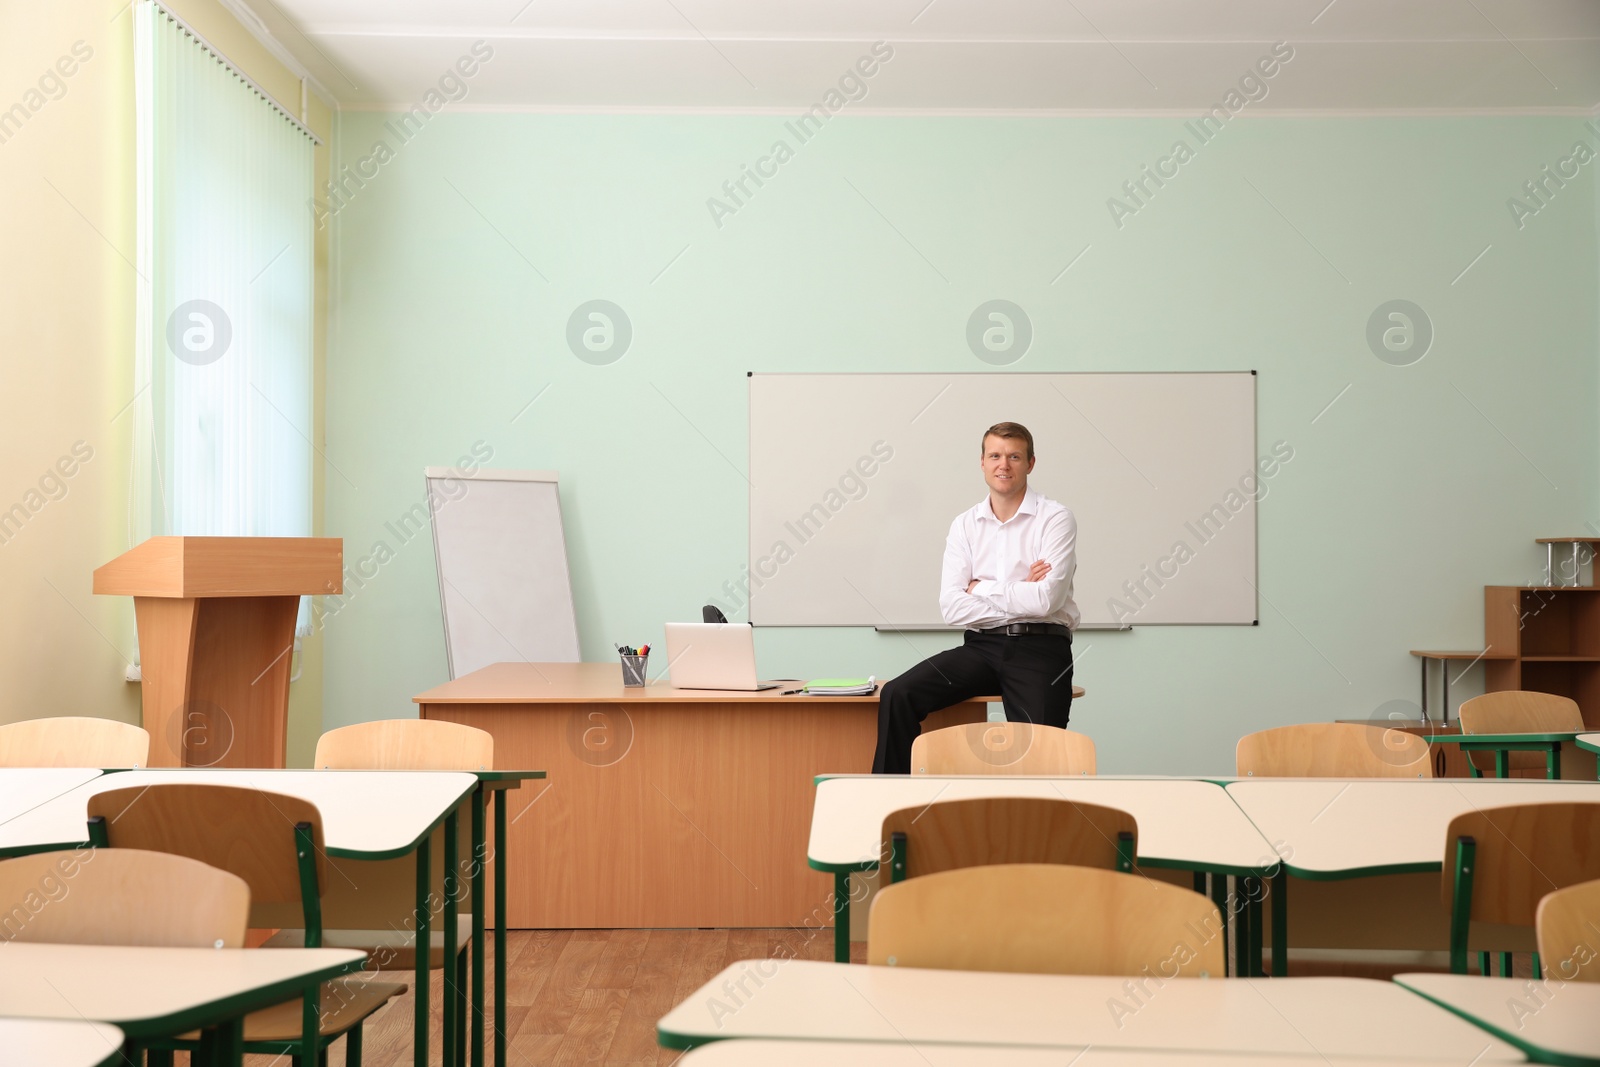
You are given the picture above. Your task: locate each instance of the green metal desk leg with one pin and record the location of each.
(1502, 763)
(1552, 761)
(452, 1021)
(1280, 923)
(222, 1045)
(480, 830)
(841, 916)
(419, 1034)
(1219, 897)
(500, 929)
(1253, 902)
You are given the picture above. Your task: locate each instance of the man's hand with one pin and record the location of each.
(971, 584)
(1037, 572)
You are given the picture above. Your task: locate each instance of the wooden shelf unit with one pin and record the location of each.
(1552, 634)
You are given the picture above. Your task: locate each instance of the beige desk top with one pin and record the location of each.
(59, 1043)
(25, 788)
(1546, 1017)
(806, 1000)
(1182, 822)
(601, 683)
(365, 814)
(883, 1054)
(155, 990)
(1326, 827)
(1590, 741)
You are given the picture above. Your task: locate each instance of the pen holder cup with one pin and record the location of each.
(633, 668)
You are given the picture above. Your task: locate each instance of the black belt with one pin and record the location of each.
(1016, 629)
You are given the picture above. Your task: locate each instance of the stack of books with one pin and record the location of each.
(842, 687)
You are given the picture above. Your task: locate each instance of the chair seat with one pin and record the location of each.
(388, 950)
(344, 1003)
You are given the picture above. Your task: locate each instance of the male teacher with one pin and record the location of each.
(1007, 580)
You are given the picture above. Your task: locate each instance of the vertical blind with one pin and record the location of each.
(224, 348)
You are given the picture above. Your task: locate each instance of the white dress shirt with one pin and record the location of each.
(999, 554)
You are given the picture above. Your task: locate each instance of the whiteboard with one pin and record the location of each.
(1144, 461)
(502, 560)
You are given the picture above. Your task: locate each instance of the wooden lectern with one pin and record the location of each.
(216, 636)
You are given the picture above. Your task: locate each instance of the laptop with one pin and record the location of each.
(716, 655)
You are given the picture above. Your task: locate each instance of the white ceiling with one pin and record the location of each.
(953, 56)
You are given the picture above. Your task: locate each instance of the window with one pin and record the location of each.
(223, 363)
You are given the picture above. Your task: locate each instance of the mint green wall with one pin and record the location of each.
(1420, 485)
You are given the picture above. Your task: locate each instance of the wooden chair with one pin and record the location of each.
(1567, 923)
(1039, 918)
(1333, 750)
(1500, 862)
(73, 741)
(405, 745)
(123, 896)
(272, 842)
(1517, 711)
(1002, 748)
(951, 834)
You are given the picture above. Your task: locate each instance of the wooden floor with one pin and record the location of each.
(587, 996)
(593, 996)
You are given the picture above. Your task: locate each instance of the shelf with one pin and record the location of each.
(1429, 654)
(1561, 659)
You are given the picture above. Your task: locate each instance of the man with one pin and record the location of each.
(1007, 579)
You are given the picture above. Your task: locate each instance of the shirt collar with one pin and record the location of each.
(1029, 506)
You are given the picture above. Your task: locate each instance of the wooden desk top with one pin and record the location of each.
(760, 1053)
(1474, 656)
(804, 1000)
(1183, 822)
(1588, 741)
(1327, 828)
(601, 683)
(365, 814)
(25, 788)
(59, 1043)
(1540, 1018)
(152, 992)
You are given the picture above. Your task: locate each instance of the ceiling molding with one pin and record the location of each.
(253, 25)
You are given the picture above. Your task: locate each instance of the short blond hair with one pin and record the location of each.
(1009, 430)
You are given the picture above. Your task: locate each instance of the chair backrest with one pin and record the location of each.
(248, 832)
(1568, 927)
(1046, 919)
(1333, 750)
(1002, 748)
(405, 745)
(1522, 853)
(121, 896)
(73, 741)
(950, 834)
(1518, 711)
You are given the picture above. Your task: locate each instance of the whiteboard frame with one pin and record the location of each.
(1255, 520)
(483, 474)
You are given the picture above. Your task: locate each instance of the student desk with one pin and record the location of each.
(25, 788)
(1502, 745)
(1551, 1021)
(1328, 829)
(804, 1000)
(162, 992)
(1183, 823)
(1590, 743)
(60, 1043)
(366, 816)
(868, 1054)
(669, 807)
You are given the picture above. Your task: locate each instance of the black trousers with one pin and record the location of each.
(1032, 673)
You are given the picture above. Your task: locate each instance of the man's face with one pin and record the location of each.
(1006, 465)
